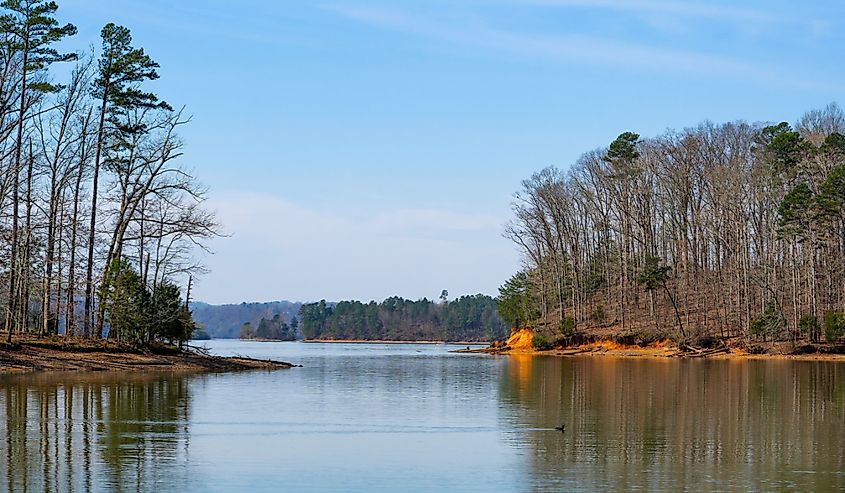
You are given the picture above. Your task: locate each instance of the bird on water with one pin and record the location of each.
(561, 428)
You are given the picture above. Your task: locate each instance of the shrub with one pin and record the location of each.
(598, 314)
(769, 322)
(834, 325)
(540, 343)
(809, 325)
(567, 326)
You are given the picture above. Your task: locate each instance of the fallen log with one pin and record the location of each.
(711, 352)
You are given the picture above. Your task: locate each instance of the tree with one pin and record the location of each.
(768, 323)
(655, 275)
(121, 70)
(126, 302)
(834, 325)
(165, 318)
(63, 139)
(796, 211)
(514, 301)
(809, 325)
(623, 148)
(33, 30)
(140, 316)
(830, 201)
(246, 332)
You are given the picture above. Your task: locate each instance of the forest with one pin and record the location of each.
(271, 329)
(719, 230)
(468, 318)
(100, 219)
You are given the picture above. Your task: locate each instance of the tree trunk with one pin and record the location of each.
(89, 269)
(12, 309)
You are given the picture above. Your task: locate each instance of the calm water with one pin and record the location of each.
(416, 418)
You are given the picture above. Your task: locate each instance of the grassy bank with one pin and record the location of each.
(31, 354)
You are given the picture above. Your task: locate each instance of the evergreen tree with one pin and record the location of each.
(514, 302)
(121, 70)
(126, 303)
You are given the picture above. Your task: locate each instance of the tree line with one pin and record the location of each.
(468, 318)
(273, 329)
(732, 229)
(98, 217)
(225, 321)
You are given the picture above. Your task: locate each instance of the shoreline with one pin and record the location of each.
(37, 355)
(363, 341)
(660, 350)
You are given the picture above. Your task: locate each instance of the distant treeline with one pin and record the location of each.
(225, 321)
(275, 329)
(468, 318)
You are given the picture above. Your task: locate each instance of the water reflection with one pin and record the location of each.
(670, 425)
(374, 418)
(93, 432)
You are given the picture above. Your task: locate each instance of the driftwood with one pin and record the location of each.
(688, 351)
(704, 354)
(486, 350)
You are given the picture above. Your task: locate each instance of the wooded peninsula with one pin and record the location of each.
(727, 234)
(100, 219)
(465, 319)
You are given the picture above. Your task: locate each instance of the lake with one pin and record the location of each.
(414, 417)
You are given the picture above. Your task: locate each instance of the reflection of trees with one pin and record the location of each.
(94, 432)
(669, 424)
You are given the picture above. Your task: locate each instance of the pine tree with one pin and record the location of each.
(121, 70)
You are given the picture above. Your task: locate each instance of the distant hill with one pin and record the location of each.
(224, 321)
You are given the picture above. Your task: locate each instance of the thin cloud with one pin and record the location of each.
(743, 17)
(675, 16)
(685, 9)
(588, 50)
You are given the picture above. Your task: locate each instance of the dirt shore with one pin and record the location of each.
(58, 354)
(520, 343)
(360, 341)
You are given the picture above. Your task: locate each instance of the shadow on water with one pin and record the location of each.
(93, 432)
(672, 425)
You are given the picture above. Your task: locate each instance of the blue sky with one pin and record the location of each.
(361, 149)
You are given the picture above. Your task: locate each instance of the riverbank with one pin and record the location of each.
(363, 341)
(521, 343)
(61, 354)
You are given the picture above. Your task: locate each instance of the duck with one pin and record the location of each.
(561, 428)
